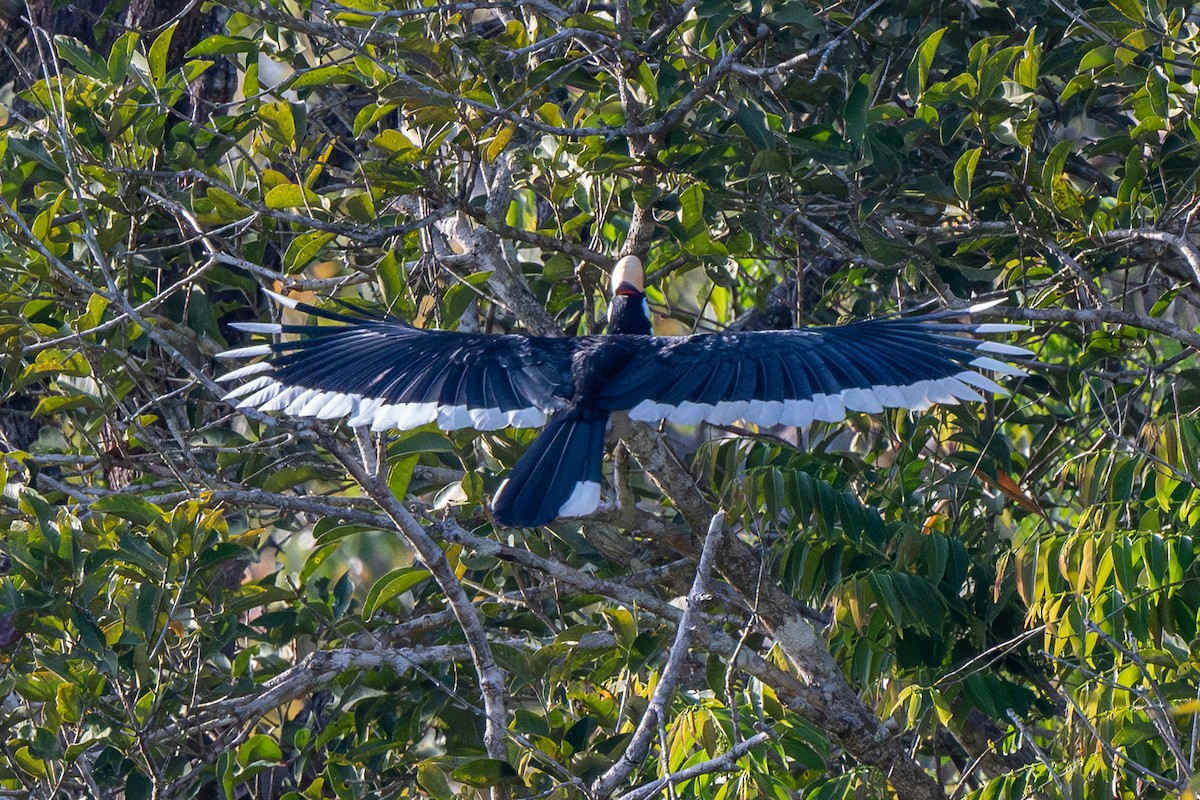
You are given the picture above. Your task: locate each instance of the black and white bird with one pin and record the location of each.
(382, 373)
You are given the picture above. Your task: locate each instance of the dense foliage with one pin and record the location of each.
(992, 601)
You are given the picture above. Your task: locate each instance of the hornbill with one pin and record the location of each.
(385, 374)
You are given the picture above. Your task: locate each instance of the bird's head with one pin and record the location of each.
(628, 312)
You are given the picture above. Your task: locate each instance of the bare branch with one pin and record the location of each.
(656, 710)
(725, 762)
(1111, 315)
(1189, 251)
(831, 703)
(314, 671)
(491, 677)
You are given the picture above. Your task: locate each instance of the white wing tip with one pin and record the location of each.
(1000, 327)
(984, 306)
(283, 300)
(986, 362)
(248, 388)
(257, 327)
(256, 368)
(1003, 349)
(246, 352)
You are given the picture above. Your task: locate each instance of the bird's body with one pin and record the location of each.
(384, 374)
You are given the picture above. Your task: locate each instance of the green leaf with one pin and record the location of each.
(225, 765)
(1026, 72)
(55, 404)
(360, 207)
(964, 173)
(1054, 165)
(130, 507)
(883, 249)
(432, 778)
(401, 474)
(754, 123)
(796, 13)
(496, 146)
(1132, 10)
(220, 45)
(391, 585)
(327, 76)
(691, 203)
(25, 760)
(550, 114)
(1135, 174)
(484, 772)
(282, 479)
(84, 60)
(856, 110)
(647, 81)
(68, 702)
(259, 750)
(1080, 83)
(369, 114)
(279, 122)
(96, 305)
(918, 71)
(394, 142)
(157, 58)
(330, 529)
(138, 786)
(119, 56)
(290, 195)
(1097, 58)
(43, 224)
(623, 625)
(822, 143)
(304, 248)
(250, 83)
(420, 442)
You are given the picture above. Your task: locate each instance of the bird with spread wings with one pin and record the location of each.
(382, 373)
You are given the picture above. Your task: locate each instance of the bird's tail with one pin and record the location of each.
(559, 475)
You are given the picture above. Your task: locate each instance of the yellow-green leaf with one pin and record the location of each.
(44, 222)
(486, 772)
(130, 507)
(393, 141)
(550, 114)
(259, 749)
(279, 122)
(918, 71)
(157, 57)
(500, 141)
(303, 249)
(964, 172)
(119, 56)
(290, 195)
(623, 625)
(432, 778)
(391, 585)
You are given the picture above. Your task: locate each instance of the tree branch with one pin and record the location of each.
(491, 677)
(725, 762)
(1112, 315)
(656, 710)
(830, 701)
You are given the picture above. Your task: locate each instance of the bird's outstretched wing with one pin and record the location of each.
(796, 377)
(383, 373)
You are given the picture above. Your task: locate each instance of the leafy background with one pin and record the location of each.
(198, 603)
